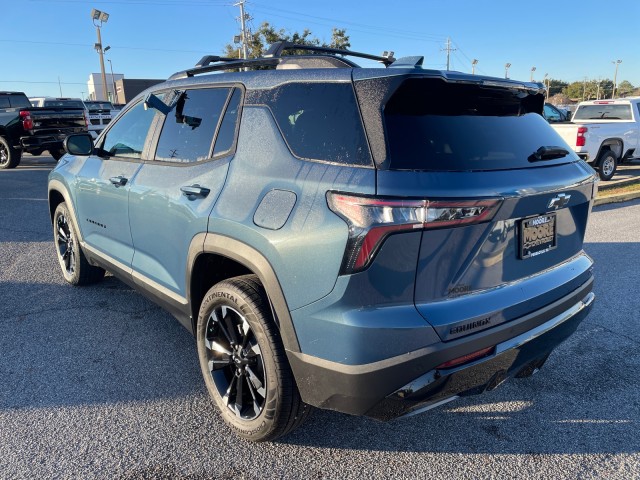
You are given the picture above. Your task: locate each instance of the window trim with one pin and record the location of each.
(159, 123)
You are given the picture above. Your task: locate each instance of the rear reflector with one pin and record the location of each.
(485, 352)
(372, 219)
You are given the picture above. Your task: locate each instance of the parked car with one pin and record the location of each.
(25, 128)
(604, 133)
(99, 114)
(553, 114)
(375, 241)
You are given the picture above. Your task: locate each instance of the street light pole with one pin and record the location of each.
(548, 86)
(533, 69)
(113, 82)
(100, 17)
(473, 66)
(506, 70)
(615, 78)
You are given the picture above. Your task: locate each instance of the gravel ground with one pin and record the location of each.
(98, 382)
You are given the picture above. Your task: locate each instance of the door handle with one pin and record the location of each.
(194, 191)
(119, 181)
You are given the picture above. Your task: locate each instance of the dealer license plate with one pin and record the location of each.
(537, 235)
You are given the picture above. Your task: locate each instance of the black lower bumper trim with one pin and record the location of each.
(403, 385)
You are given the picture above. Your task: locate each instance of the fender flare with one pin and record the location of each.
(253, 260)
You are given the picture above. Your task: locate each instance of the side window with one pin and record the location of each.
(320, 121)
(551, 114)
(126, 137)
(19, 101)
(638, 105)
(187, 134)
(227, 132)
(4, 101)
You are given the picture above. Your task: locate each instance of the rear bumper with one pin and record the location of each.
(412, 382)
(47, 141)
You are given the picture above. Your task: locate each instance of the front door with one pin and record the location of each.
(103, 185)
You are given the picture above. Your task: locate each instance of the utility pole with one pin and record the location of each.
(448, 49)
(615, 78)
(549, 85)
(100, 17)
(584, 88)
(60, 86)
(243, 27)
(473, 66)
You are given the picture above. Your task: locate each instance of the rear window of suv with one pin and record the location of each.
(438, 126)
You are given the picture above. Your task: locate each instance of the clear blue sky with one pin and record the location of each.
(43, 40)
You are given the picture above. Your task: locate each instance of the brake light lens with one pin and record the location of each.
(372, 219)
(27, 122)
(581, 139)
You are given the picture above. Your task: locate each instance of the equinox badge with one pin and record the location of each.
(560, 201)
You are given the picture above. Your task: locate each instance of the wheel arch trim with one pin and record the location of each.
(253, 260)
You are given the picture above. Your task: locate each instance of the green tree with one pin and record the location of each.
(589, 89)
(625, 88)
(266, 34)
(555, 86)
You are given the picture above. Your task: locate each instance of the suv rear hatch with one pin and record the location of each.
(505, 200)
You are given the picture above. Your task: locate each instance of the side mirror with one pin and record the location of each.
(79, 144)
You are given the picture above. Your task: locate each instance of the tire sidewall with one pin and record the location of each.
(263, 424)
(62, 209)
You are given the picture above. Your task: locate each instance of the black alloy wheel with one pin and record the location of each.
(235, 362)
(65, 240)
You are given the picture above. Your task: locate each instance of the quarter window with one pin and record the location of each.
(189, 128)
(126, 138)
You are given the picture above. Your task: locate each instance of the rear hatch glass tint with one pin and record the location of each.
(603, 112)
(434, 125)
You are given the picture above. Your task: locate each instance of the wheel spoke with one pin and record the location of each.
(226, 398)
(256, 405)
(230, 327)
(255, 381)
(239, 390)
(222, 326)
(216, 347)
(217, 364)
(62, 234)
(254, 351)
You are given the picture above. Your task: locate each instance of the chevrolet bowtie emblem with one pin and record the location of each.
(560, 201)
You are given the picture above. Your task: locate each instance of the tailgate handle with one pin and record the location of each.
(119, 181)
(194, 191)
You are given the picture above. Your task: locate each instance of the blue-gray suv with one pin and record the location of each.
(375, 241)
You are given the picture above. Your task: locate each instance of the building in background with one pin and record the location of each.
(95, 90)
(126, 89)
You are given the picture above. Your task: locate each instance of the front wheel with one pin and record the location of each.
(243, 361)
(9, 156)
(607, 165)
(75, 267)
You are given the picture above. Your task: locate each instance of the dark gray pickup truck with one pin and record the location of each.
(24, 128)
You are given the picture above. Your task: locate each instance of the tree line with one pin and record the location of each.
(561, 92)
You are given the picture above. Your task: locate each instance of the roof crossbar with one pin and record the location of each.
(273, 57)
(276, 50)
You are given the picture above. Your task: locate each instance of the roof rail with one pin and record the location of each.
(273, 57)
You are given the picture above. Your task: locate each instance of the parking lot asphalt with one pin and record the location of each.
(98, 382)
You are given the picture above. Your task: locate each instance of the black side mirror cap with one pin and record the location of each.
(80, 144)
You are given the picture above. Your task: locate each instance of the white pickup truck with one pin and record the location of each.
(604, 133)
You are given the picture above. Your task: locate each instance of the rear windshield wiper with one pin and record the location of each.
(548, 153)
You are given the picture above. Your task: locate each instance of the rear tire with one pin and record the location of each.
(75, 268)
(9, 156)
(607, 165)
(57, 153)
(244, 364)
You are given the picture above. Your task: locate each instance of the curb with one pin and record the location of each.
(622, 197)
(617, 184)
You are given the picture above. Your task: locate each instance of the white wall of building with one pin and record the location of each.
(94, 86)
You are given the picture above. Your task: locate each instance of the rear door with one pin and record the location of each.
(175, 191)
(508, 201)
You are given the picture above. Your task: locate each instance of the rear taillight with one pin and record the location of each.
(372, 219)
(27, 122)
(580, 139)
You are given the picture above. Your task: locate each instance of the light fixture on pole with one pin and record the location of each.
(533, 69)
(113, 80)
(506, 70)
(473, 66)
(99, 18)
(548, 83)
(615, 77)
